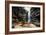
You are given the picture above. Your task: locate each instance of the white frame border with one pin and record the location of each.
(25, 29)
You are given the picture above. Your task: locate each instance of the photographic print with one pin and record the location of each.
(25, 17)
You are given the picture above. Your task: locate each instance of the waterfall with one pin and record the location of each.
(28, 10)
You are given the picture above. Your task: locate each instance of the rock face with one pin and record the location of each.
(35, 12)
(20, 15)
